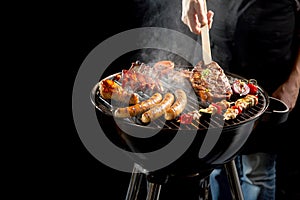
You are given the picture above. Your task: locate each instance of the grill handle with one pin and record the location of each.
(276, 113)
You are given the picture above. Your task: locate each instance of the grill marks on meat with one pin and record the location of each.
(210, 82)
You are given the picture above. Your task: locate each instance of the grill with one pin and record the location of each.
(221, 140)
(232, 133)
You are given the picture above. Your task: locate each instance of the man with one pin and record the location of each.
(256, 39)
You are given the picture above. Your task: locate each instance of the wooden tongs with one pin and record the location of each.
(206, 52)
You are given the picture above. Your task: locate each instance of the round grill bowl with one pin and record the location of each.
(214, 142)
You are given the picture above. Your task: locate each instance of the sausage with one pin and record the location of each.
(178, 106)
(159, 109)
(139, 108)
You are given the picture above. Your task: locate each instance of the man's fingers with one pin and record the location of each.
(197, 25)
(201, 13)
(210, 15)
(195, 16)
(192, 22)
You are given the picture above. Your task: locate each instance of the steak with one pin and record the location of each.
(210, 82)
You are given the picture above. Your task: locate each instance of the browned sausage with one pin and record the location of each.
(178, 106)
(136, 109)
(159, 109)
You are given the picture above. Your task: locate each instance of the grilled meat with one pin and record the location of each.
(159, 109)
(210, 82)
(179, 105)
(240, 105)
(111, 90)
(139, 108)
(140, 77)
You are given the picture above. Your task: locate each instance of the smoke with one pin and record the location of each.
(165, 14)
(160, 13)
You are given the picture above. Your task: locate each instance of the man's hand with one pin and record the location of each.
(289, 90)
(288, 93)
(194, 15)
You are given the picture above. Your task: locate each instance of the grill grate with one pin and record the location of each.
(204, 122)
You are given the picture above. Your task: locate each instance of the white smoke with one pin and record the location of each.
(165, 14)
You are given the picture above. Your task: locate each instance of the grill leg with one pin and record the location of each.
(153, 191)
(233, 178)
(154, 184)
(135, 182)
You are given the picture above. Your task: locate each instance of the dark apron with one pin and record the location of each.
(255, 38)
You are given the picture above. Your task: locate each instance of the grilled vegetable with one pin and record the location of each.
(240, 105)
(252, 84)
(231, 113)
(214, 108)
(240, 88)
(185, 118)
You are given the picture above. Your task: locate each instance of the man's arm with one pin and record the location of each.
(289, 90)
